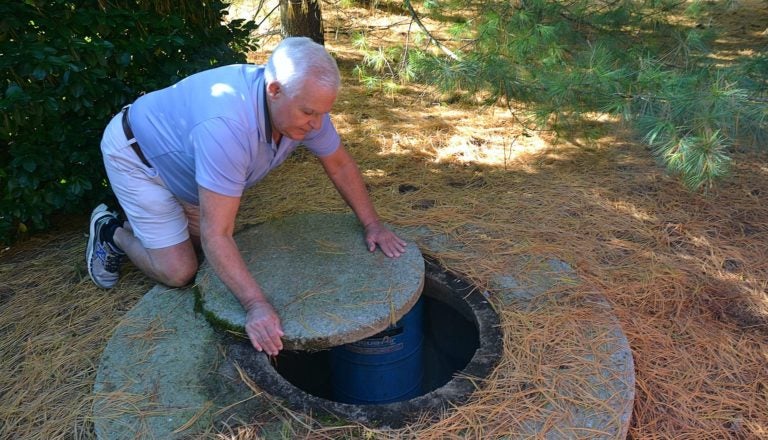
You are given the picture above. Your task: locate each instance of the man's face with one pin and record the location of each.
(296, 116)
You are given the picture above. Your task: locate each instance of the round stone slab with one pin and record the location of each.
(161, 375)
(318, 274)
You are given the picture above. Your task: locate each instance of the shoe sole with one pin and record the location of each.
(97, 213)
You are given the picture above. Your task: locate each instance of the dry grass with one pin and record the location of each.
(686, 274)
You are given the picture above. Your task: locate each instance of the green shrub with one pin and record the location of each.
(66, 67)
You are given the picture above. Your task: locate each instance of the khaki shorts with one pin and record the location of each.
(158, 218)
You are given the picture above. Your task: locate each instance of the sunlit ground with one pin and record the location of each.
(685, 273)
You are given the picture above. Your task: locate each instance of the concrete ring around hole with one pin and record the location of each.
(442, 287)
(164, 374)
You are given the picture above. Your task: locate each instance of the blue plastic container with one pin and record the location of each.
(383, 368)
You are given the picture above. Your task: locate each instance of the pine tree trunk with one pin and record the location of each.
(301, 18)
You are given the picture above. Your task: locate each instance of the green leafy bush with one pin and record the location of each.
(67, 67)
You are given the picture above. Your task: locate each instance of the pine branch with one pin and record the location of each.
(266, 16)
(440, 45)
(754, 99)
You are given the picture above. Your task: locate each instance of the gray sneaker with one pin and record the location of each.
(103, 258)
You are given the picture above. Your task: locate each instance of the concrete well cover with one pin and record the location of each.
(318, 274)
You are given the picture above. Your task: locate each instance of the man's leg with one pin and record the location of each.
(109, 242)
(173, 266)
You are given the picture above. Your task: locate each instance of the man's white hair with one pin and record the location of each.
(298, 59)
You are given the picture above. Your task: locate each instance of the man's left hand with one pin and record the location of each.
(378, 234)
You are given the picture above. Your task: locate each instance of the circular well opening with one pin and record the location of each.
(461, 343)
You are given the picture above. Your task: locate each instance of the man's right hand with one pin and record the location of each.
(263, 328)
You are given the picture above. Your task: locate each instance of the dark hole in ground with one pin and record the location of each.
(450, 340)
(463, 344)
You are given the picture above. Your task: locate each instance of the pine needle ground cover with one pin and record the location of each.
(685, 273)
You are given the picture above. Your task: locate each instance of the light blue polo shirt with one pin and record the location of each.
(212, 129)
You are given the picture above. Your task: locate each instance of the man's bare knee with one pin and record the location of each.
(174, 266)
(179, 275)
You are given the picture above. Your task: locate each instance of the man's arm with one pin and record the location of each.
(217, 223)
(345, 175)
